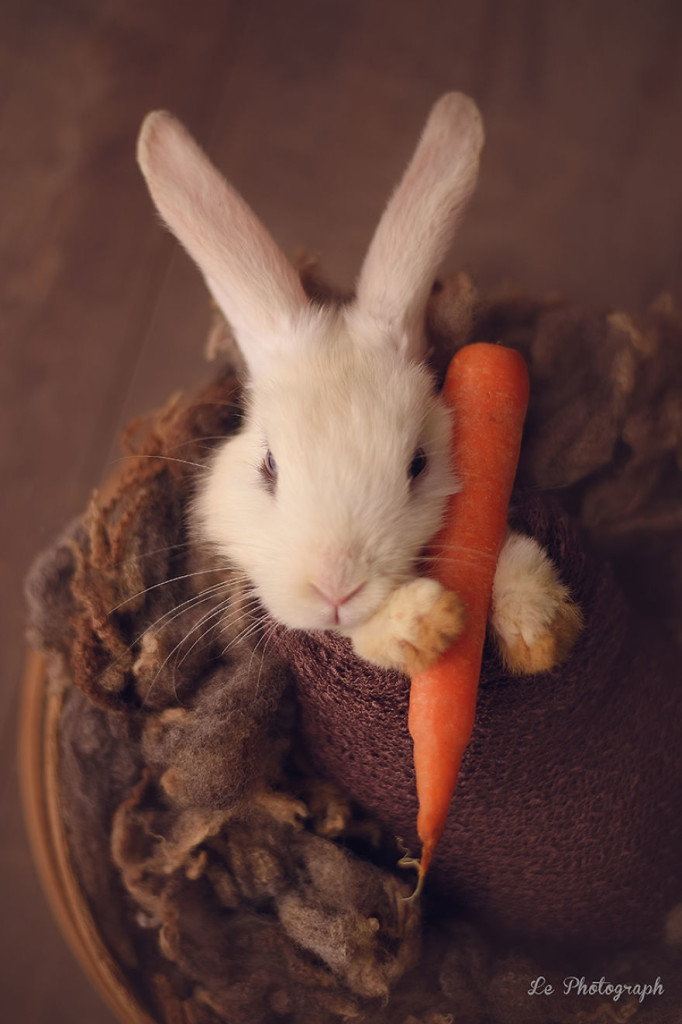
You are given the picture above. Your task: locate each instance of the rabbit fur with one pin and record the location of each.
(341, 473)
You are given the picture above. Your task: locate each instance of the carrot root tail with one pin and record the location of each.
(408, 861)
(422, 865)
(419, 886)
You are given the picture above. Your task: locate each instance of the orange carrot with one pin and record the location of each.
(487, 388)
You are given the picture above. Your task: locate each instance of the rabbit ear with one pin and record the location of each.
(418, 225)
(254, 284)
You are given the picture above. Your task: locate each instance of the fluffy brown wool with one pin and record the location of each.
(232, 807)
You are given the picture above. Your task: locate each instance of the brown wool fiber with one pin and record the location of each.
(231, 807)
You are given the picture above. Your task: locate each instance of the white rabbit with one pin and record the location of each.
(339, 477)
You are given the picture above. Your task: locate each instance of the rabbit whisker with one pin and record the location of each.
(164, 583)
(197, 440)
(268, 637)
(216, 613)
(247, 632)
(165, 458)
(160, 551)
(177, 610)
(167, 659)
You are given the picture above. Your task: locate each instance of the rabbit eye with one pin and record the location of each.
(269, 469)
(418, 464)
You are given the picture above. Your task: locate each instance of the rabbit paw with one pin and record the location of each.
(532, 614)
(412, 629)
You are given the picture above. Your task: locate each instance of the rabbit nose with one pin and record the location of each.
(332, 598)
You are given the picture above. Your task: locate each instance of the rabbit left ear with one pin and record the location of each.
(418, 226)
(251, 279)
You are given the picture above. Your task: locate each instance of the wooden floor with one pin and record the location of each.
(311, 107)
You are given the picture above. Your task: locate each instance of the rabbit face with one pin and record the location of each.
(338, 480)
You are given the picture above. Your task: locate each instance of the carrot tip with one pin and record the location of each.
(428, 846)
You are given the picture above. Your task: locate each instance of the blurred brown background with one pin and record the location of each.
(311, 107)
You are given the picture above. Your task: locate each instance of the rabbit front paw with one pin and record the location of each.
(535, 621)
(412, 628)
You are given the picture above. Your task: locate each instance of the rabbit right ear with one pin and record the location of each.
(418, 226)
(252, 281)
